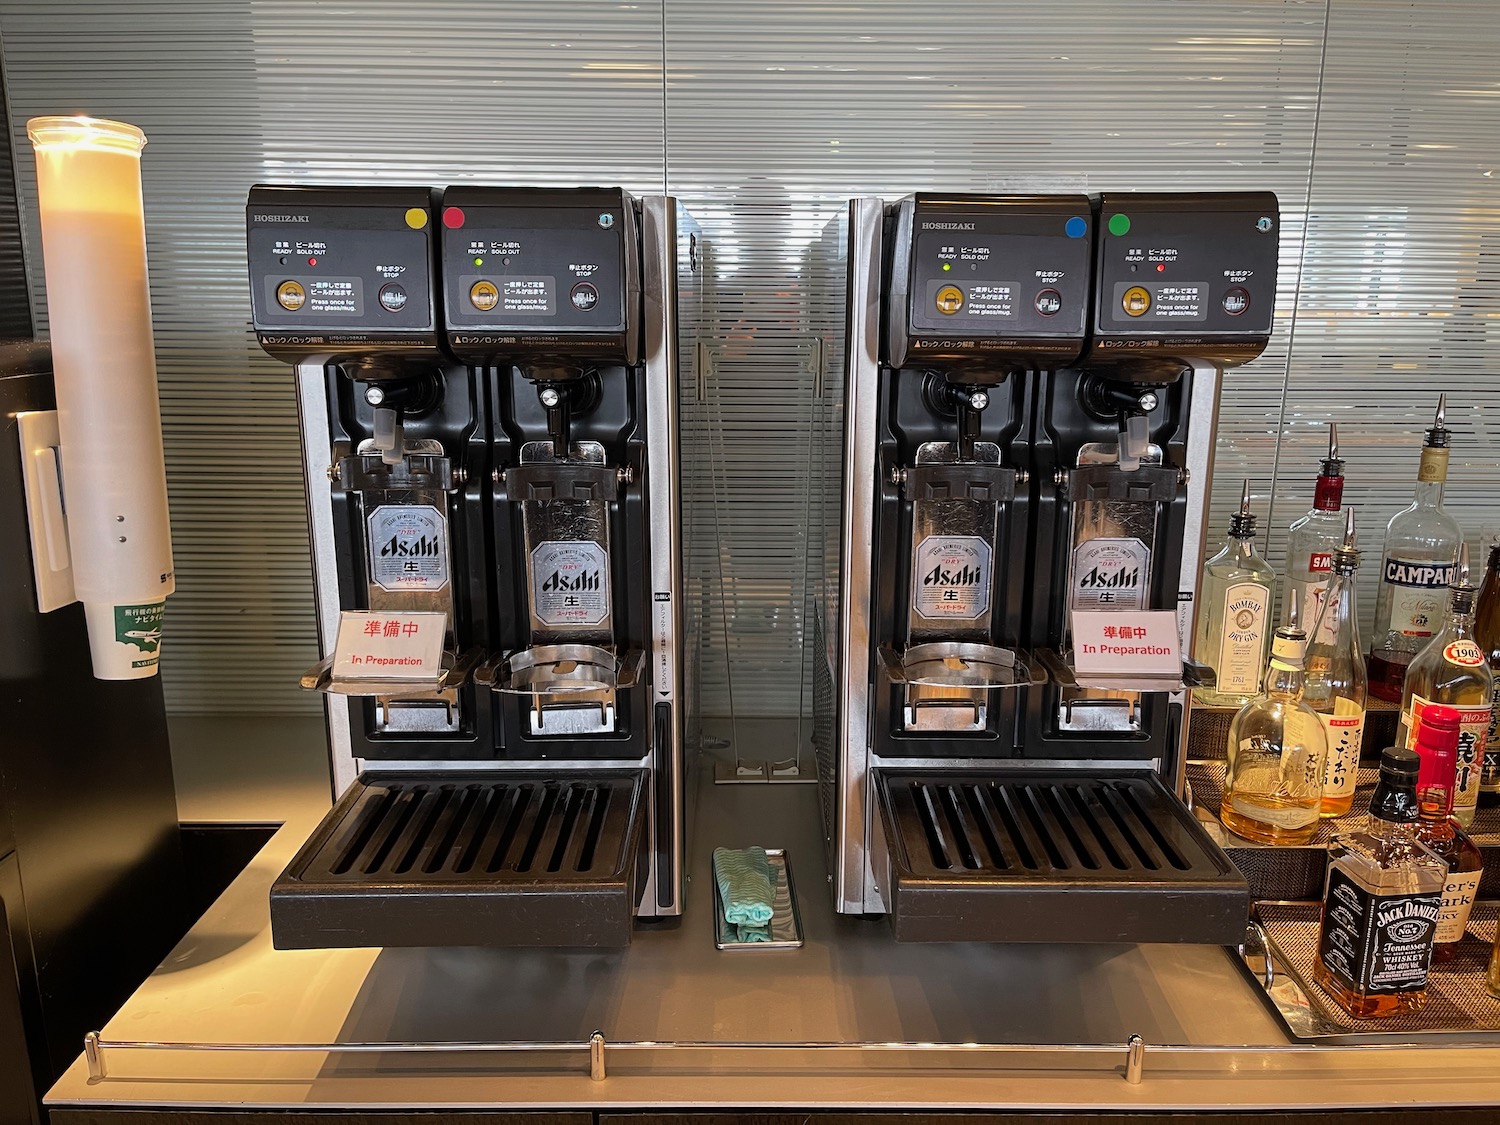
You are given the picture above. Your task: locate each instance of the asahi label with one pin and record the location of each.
(951, 577)
(1419, 594)
(1473, 729)
(408, 547)
(1376, 943)
(1243, 643)
(570, 583)
(1111, 574)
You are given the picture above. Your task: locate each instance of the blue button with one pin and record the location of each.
(1077, 227)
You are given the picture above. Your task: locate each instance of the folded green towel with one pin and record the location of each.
(744, 879)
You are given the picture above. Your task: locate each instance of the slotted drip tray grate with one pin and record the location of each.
(523, 859)
(1055, 856)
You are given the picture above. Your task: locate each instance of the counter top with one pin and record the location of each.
(689, 1026)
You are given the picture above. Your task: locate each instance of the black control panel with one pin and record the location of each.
(336, 271)
(531, 273)
(993, 281)
(1182, 277)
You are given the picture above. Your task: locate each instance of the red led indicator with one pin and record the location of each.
(1161, 267)
(453, 217)
(312, 261)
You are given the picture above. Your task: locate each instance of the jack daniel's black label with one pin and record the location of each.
(1377, 943)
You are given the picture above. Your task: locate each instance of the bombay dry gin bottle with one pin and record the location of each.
(1421, 543)
(1452, 671)
(1312, 540)
(1381, 899)
(1437, 746)
(1273, 790)
(1335, 684)
(1487, 636)
(1234, 627)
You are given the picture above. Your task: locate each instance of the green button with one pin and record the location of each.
(1119, 225)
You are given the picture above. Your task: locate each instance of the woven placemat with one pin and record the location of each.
(1457, 999)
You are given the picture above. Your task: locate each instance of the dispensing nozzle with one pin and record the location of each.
(1346, 556)
(387, 435)
(1242, 523)
(1439, 436)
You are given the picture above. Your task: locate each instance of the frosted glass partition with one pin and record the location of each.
(1375, 122)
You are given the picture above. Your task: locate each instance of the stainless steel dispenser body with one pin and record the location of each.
(1043, 810)
(534, 795)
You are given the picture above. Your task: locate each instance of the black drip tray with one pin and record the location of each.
(1054, 856)
(520, 859)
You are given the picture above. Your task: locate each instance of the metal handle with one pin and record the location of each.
(1256, 932)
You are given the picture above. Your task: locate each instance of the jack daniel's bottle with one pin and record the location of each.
(1381, 900)
(1421, 544)
(1234, 624)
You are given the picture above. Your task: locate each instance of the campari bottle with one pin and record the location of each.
(1421, 544)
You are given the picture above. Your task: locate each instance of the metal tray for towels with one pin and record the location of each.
(1054, 856)
(514, 859)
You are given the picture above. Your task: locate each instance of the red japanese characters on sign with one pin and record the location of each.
(1126, 644)
(389, 646)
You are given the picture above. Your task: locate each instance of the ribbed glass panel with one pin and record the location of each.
(1401, 280)
(282, 91)
(777, 111)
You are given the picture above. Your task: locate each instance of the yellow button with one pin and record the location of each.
(290, 295)
(1136, 301)
(950, 298)
(483, 295)
(416, 217)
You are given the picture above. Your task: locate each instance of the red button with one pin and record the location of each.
(453, 217)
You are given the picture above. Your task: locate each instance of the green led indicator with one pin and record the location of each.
(947, 266)
(479, 261)
(1119, 225)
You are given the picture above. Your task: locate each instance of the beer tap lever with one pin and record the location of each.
(970, 405)
(555, 400)
(387, 431)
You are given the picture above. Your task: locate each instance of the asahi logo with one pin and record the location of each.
(963, 576)
(281, 218)
(422, 547)
(588, 580)
(1101, 579)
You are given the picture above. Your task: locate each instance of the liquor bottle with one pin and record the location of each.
(1437, 746)
(1233, 629)
(1381, 899)
(1335, 684)
(1421, 543)
(1487, 636)
(1312, 540)
(1273, 790)
(1452, 671)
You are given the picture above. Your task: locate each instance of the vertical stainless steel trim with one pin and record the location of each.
(854, 886)
(1203, 431)
(664, 513)
(317, 455)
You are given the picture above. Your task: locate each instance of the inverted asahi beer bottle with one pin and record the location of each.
(1421, 543)
(1452, 671)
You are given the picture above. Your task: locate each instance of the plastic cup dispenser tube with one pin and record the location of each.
(88, 175)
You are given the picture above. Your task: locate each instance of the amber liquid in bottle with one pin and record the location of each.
(1487, 636)
(1437, 746)
(1381, 901)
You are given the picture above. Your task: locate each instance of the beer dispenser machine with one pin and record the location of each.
(1029, 402)
(487, 382)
